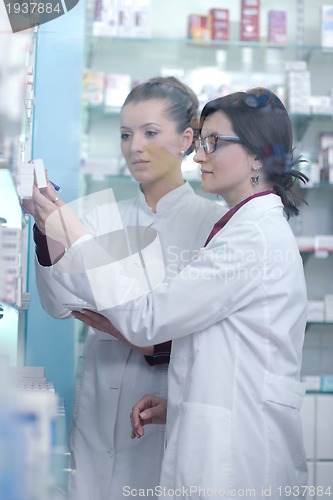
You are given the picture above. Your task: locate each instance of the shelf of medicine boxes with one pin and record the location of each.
(118, 54)
(15, 244)
(115, 54)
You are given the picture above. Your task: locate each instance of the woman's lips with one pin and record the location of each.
(140, 164)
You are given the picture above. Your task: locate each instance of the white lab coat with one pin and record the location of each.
(237, 315)
(112, 377)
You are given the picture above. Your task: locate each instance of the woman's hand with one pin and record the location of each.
(149, 410)
(29, 204)
(101, 323)
(53, 216)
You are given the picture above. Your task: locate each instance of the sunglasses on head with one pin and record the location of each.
(259, 98)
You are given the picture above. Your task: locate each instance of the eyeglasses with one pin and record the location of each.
(210, 143)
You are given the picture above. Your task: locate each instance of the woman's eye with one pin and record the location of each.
(124, 136)
(150, 133)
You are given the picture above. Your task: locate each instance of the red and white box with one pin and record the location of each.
(219, 24)
(277, 26)
(250, 14)
(198, 27)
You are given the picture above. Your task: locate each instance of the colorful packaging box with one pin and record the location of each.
(219, 24)
(277, 26)
(250, 13)
(198, 27)
(93, 87)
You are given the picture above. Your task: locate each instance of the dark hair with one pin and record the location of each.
(262, 123)
(182, 106)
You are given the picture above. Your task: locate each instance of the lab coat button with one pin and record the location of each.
(111, 452)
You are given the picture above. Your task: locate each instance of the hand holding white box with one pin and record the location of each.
(40, 176)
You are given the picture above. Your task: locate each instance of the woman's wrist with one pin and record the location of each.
(48, 251)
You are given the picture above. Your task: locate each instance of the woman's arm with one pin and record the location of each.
(224, 277)
(102, 324)
(155, 355)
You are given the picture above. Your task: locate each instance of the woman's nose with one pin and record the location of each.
(200, 155)
(137, 143)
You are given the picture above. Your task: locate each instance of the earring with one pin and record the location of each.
(182, 152)
(255, 179)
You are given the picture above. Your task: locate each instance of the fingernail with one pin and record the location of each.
(143, 414)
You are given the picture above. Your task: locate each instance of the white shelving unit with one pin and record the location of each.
(32, 418)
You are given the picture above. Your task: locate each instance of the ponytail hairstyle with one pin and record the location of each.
(261, 121)
(182, 103)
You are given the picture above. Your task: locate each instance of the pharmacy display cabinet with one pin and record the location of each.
(37, 353)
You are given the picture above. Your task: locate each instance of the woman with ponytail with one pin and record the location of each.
(236, 315)
(158, 121)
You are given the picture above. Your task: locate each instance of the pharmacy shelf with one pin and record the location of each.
(315, 250)
(155, 51)
(103, 111)
(316, 185)
(322, 323)
(310, 391)
(96, 40)
(300, 122)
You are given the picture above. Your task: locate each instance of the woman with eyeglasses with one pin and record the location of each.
(236, 315)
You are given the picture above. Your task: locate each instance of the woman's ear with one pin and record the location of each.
(187, 139)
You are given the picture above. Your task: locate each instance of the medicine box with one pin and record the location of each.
(219, 24)
(277, 26)
(250, 14)
(326, 383)
(106, 18)
(117, 88)
(198, 27)
(327, 25)
(142, 19)
(93, 87)
(328, 301)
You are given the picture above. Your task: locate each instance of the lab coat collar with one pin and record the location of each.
(252, 208)
(260, 204)
(168, 202)
(256, 206)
